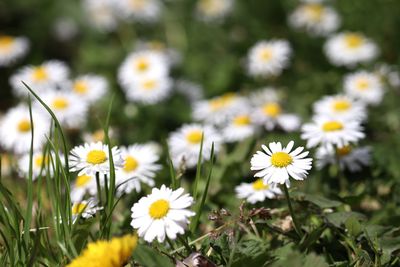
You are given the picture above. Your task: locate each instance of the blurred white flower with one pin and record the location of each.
(350, 48)
(257, 191)
(12, 49)
(270, 115)
(140, 167)
(89, 87)
(84, 184)
(139, 10)
(40, 164)
(85, 209)
(315, 18)
(15, 129)
(213, 10)
(239, 128)
(364, 86)
(340, 106)
(184, 144)
(331, 133)
(101, 14)
(268, 58)
(352, 159)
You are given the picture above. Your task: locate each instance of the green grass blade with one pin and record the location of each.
(198, 169)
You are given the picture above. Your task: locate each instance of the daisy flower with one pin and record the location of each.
(270, 115)
(352, 159)
(70, 110)
(140, 167)
(219, 109)
(139, 10)
(15, 129)
(142, 63)
(239, 128)
(89, 87)
(85, 209)
(350, 48)
(330, 132)
(268, 58)
(184, 144)
(149, 89)
(257, 191)
(84, 184)
(364, 86)
(275, 164)
(165, 212)
(113, 253)
(12, 49)
(212, 10)
(315, 18)
(94, 158)
(41, 78)
(264, 95)
(340, 106)
(101, 14)
(40, 164)
(172, 56)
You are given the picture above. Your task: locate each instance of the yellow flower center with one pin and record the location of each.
(210, 6)
(137, 4)
(159, 209)
(130, 164)
(332, 126)
(194, 137)
(39, 161)
(149, 84)
(343, 151)
(80, 87)
(222, 101)
(259, 185)
(60, 103)
(82, 180)
(24, 126)
(78, 208)
(314, 11)
(354, 40)
(142, 65)
(362, 84)
(341, 105)
(96, 157)
(98, 135)
(39, 74)
(266, 54)
(242, 120)
(281, 159)
(6, 42)
(272, 109)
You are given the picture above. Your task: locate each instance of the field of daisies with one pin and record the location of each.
(200, 133)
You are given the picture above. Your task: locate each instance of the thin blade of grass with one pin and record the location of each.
(198, 169)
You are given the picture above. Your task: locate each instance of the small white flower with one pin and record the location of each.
(40, 164)
(101, 14)
(239, 128)
(94, 158)
(165, 212)
(219, 109)
(276, 164)
(142, 63)
(47, 76)
(84, 184)
(140, 167)
(350, 48)
(270, 115)
(70, 110)
(184, 144)
(89, 87)
(330, 132)
(85, 209)
(257, 191)
(340, 106)
(12, 49)
(268, 58)
(352, 159)
(213, 10)
(264, 95)
(15, 129)
(316, 19)
(364, 86)
(148, 89)
(139, 10)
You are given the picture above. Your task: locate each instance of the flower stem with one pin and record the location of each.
(295, 222)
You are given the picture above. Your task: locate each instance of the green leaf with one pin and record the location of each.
(339, 218)
(148, 257)
(353, 226)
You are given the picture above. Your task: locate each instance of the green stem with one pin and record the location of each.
(295, 222)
